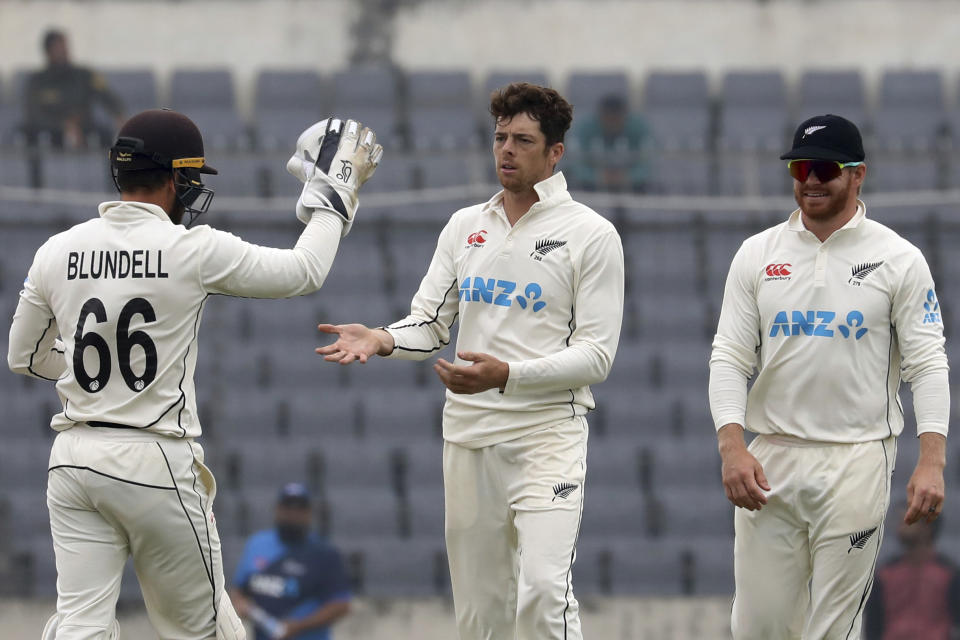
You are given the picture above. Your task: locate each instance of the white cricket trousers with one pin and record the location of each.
(513, 514)
(804, 563)
(113, 493)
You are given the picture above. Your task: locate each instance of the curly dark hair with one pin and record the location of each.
(543, 104)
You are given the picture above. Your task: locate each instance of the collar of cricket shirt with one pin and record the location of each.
(795, 223)
(126, 207)
(551, 191)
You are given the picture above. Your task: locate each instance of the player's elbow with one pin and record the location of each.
(17, 364)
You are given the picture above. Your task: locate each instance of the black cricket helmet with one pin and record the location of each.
(165, 139)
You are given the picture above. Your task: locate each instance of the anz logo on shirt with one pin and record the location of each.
(931, 309)
(822, 324)
(274, 586)
(502, 293)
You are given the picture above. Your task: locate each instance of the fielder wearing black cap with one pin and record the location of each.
(826, 137)
(159, 144)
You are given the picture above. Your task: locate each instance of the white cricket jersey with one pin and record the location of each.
(125, 292)
(832, 327)
(545, 295)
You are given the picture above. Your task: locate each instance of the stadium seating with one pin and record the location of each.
(207, 97)
(286, 103)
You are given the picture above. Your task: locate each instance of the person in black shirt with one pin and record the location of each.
(59, 100)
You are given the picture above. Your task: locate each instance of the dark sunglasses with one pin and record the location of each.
(826, 170)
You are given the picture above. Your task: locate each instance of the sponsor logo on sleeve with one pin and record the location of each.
(931, 309)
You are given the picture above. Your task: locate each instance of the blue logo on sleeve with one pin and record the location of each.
(817, 324)
(501, 293)
(931, 309)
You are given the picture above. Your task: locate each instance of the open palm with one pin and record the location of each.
(354, 342)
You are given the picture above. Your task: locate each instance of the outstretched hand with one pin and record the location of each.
(354, 342)
(486, 372)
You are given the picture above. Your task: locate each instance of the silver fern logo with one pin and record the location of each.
(859, 539)
(543, 247)
(859, 272)
(563, 490)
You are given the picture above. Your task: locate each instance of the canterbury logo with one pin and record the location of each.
(812, 130)
(859, 540)
(563, 490)
(861, 271)
(778, 269)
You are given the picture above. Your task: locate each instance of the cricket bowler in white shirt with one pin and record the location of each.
(110, 311)
(833, 310)
(536, 280)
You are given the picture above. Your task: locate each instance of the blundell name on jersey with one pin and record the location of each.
(141, 263)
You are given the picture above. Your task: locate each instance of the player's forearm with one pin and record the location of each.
(931, 401)
(730, 438)
(728, 393)
(234, 267)
(578, 365)
(933, 450)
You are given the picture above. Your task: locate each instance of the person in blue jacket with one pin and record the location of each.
(291, 583)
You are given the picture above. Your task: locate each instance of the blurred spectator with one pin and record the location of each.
(290, 582)
(916, 595)
(611, 146)
(59, 100)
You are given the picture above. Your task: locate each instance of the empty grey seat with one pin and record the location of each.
(25, 465)
(17, 169)
(76, 171)
(499, 79)
(137, 88)
(647, 567)
(207, 97)
(837, 92)
(397, 172)
(613, 511)
(611, 462)
(684, 364)
(243, 175)
(911, 112)
(640, 416)
(422, 465)
(401, 414)
(258, 467)
(902, 174)
(677, 106)
(713, 565)
(696, 511)
(329, 412)
(754, 111)
(287, 102)
(28, 513)
(673, 315)
(369, 95)
(663, 256)
(360, 512)
(441, 111)
(391, 568)
(696, 177)
(351, 463)
(585, 89)
(426, 513)
(633, 369)
(444, 170)
(742, 173)
(675, 464)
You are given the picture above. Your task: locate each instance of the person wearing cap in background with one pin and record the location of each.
(917, 594)
(832, 310)
(610, 148)
(110, 311)
(291, 582)
(58, 100)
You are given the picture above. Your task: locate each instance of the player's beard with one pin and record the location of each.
(176, 213)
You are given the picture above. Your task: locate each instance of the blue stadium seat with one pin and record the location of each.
(207, 97)
(911, 112)
(441, 110)
(677, 106)
(369, 94)
(839, 92)
(754, 111)
(137, 88)
(585, 89)
(286, 103)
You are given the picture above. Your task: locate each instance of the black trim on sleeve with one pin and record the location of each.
(36, 350)
(434, 319)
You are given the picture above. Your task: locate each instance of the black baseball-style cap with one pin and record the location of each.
(294, 494)
(827, 137)
(159, 138)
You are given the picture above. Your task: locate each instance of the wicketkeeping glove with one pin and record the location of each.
(333, 159)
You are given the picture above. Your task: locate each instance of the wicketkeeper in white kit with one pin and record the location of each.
(110, 310)
(833, 310)
(536, 280)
